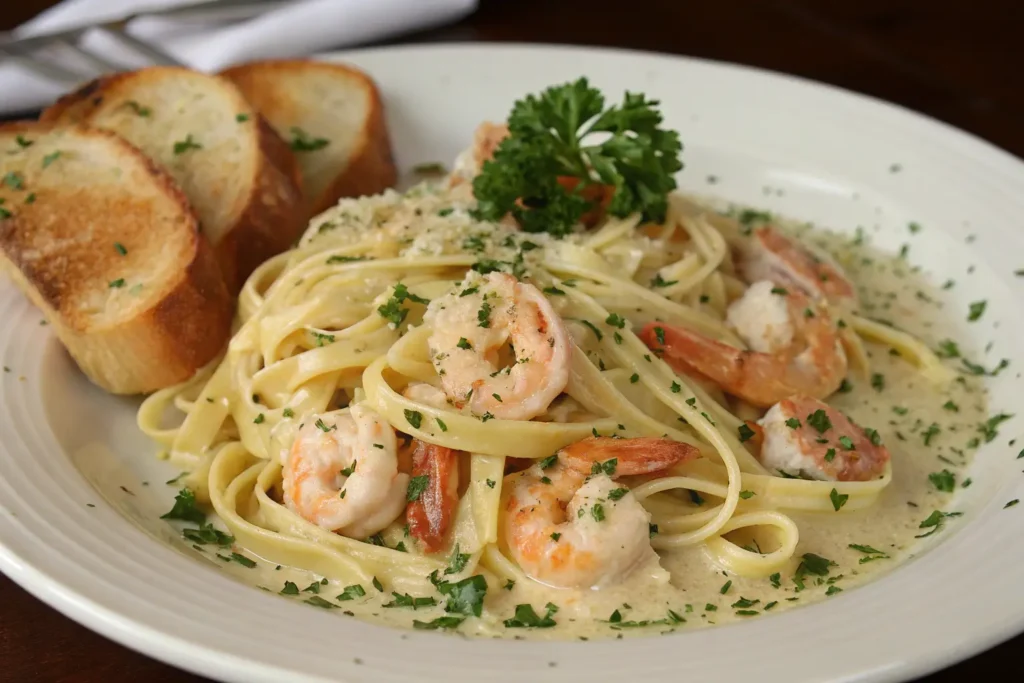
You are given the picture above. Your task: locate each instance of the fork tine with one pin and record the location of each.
(42, 68)
(156, 55)
(99, 63)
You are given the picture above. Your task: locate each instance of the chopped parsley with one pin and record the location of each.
(930, 433)
(745, 433)
(976, 310)
(838, 499)
(446, 623)
(846, 442)
(302, 142)
(51, 157)
(634, 378)
(185, 508)
(948, 349)
(616, 320)
(943, 481)
(414, 418)
(483, 316)
(526, 617)
(877, 381)
(658, 281)
(417, 485)
(441, 424)
(406, 600)
(793, 423)
(182, 146)
(617, 494)
(820, 421)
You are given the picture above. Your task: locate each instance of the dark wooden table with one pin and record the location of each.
(953, 61)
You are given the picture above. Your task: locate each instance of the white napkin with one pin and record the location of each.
(288, 29)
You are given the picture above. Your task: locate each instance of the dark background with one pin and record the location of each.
(959, 62)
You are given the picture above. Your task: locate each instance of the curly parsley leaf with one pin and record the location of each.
(545, 171)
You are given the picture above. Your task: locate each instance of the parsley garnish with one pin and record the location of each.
(819, 420)
(182, 146)
(977, 309)
(634, 378)
(51, 157)
(406, 600)
(525, 617)
(948, 349)
(943, 481)
(745, 433)
(417, 485)
(793, 423)
(448, 622)
(289, 589)
(547, 143)
(483, 316)
(846, 442)
(658, 281)
(617, 494)
(185, 508)
(988, 428)
(302, 142)
(414, 418)
(838, 499)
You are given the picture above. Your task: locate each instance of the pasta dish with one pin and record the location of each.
(565, 399)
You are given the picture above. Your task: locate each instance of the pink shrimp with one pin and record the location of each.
(569, 525)
(771, 255)
(796, 348)
(804, 437)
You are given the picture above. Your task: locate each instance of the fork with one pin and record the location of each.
(33, 52)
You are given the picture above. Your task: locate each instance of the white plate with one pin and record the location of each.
(64, 444)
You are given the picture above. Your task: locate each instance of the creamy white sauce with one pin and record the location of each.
(902, 407)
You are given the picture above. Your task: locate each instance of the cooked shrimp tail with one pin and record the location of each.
(771, 255)
(802, 356)
(641, 455)
(430, 515)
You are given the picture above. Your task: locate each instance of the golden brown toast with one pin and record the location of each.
(332, 117)
(240, 177)
(105, 244)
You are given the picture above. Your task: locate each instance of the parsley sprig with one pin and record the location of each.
(545, 172)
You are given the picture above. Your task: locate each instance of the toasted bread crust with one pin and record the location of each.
(373, 168)
(274, 215)
(370, 170)
(55, 262)
(273, 219)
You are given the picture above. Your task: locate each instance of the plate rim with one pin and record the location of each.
(162, 644)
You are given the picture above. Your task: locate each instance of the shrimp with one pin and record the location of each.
(796, 348)
(342, 473)
(471, 326)
(570, 525)
(804, 437)
(771, 255)
(471, 161)
(431, 514)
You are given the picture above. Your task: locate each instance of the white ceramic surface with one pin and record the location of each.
(119, 570)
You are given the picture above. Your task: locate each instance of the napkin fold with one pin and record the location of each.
(216, 40)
